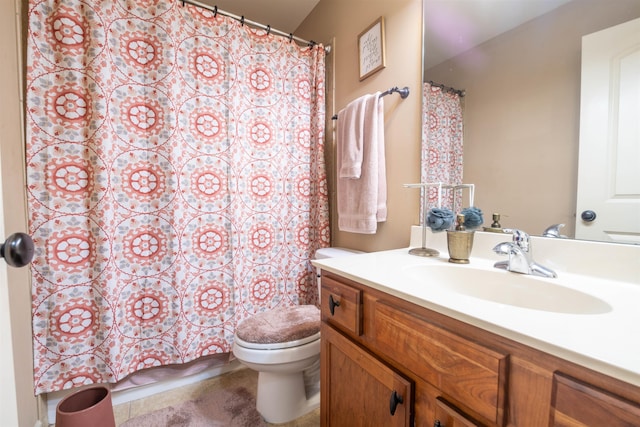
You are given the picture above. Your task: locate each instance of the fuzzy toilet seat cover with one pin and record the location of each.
(280, 325)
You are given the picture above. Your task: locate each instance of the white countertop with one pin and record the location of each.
(607, 342)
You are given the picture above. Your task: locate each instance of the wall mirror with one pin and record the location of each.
(519, 64)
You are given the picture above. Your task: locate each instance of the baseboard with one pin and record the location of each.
(124, 396)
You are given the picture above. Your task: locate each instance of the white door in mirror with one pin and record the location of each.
(609, 161)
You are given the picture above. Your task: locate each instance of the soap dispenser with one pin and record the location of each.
(495, 225)
(459, 242)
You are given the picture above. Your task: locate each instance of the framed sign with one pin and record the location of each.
(371, 49)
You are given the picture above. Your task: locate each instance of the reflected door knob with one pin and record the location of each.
(17, 250)
(588, 216)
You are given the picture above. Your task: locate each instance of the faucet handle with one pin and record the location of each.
(554, 231)
(520, 238)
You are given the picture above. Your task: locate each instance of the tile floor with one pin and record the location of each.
(246, 377)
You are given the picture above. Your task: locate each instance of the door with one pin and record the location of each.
(8, 398)
(358, 390)
(18, 405)
(608, 202)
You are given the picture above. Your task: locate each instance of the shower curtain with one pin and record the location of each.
(442, 144)
(176, 183)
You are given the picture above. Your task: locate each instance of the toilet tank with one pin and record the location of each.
(324, 253)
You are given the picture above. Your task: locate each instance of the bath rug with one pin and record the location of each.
(232, 407)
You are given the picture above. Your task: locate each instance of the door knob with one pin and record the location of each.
(588, 216)
(17, 250)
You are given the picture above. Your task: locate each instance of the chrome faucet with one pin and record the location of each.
(520, 259)
(554, 231)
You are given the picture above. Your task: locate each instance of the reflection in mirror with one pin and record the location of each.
(522, 104)
(608, 175)
(442, 150)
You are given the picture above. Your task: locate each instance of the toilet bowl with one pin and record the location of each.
(283, 346)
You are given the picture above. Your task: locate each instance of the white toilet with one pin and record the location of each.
(283, 345)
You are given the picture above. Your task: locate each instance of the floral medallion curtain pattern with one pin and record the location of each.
(442, 147)
(176, 182)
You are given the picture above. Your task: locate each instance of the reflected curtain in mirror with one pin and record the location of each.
(442, 136)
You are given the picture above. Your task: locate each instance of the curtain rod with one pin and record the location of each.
(243, 21)
(460, 93)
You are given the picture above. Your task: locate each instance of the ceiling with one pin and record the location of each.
(452, 26)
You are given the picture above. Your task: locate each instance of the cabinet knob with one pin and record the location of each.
(333, 304)
(394, 401)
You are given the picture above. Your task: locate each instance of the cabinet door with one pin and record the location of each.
(576, 404)
(448, 415)
(359, 390)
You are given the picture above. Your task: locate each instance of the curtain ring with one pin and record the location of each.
(182, 3)
(268, 29)
(290, 37)
(242, 20)
(215, 11)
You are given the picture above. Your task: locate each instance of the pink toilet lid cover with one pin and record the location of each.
(280, 325)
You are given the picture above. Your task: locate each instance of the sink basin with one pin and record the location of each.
(508, 288)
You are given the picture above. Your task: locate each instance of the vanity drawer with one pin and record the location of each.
(472, 375)
(341, 305)
(575, 403)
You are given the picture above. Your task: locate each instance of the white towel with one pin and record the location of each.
(351, 138)
(362, 186)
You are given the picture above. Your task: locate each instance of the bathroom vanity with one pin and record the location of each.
(400, 348)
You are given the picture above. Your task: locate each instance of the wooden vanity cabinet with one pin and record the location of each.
(447, 415)
(575, 403)
(468, 373)
(358, 389)
(448, 373)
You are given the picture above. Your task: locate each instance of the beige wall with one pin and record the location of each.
(15, 293)
(342, 21)
(522, 113)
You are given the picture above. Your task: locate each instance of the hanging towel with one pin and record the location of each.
(351, 138)
(362, 186)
